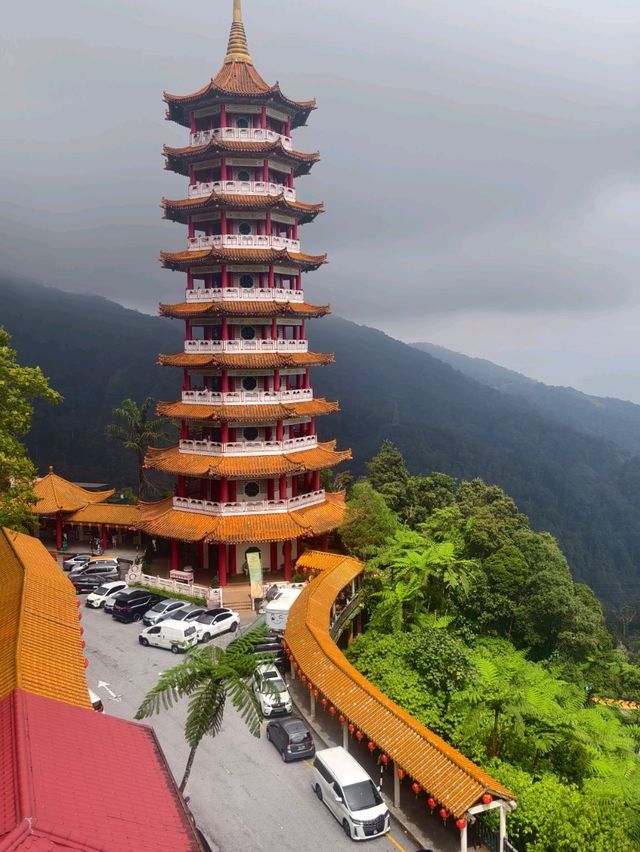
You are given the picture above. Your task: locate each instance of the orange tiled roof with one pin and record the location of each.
(111, 514)
(40, 650)
(179, 159)
(182, 260)
(55, 494)
(441, 770)
(248, 360)
(246, 413)
(243, 309)
(171, 460)
(160, 519)
(180, 210)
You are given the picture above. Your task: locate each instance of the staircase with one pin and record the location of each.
(237, 596)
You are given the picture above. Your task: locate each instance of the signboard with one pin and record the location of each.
(254, 563)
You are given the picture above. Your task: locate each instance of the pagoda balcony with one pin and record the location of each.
(242, 241)
(248, 294)
(249, 448)
(208, 397)
(248, 507)
(241, 187)
(213, 346)
(239, 134)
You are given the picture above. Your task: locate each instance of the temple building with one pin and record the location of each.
(248, 460)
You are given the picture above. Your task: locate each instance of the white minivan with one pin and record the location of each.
(176, 636)
(342, 784)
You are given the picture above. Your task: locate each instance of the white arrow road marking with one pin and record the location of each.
(105, 686)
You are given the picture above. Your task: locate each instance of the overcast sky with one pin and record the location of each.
(479, 162)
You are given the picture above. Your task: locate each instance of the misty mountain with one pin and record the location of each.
(604, 417)
(583, 489)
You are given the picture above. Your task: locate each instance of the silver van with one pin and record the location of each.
(342, 784)
(175, 636)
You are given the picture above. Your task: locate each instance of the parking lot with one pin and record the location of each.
(243, 796)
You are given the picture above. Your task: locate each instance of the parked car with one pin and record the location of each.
(189, 613)
(89, 582)
(214, 622)
(270, 648)
(76, 560)
(292, 738)
(131, 604)
(107, 566)
(271, 691)
(342, 784)
(108, 604)
(175, 636)
(163, 610)
(100, 595)
(96, 701)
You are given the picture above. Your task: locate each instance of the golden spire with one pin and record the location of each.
(237, 49)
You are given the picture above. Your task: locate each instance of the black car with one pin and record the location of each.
(90, 582)
(270, 648)
(131, 604)
(292, 738)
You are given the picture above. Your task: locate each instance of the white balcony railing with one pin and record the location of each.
(200, 346)
(239, 134)
(248, 507)
(207, 397)
(241, 187)
(246, 294)
(242, 241)
(248, 448)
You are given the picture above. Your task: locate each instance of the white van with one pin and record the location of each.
(176, 636)
(277, 610)
(342, 784)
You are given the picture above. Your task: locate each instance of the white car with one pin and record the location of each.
(175, 636)
(271, 691)
(101, 595)
(214, 622)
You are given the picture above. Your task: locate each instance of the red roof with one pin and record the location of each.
(66, 782)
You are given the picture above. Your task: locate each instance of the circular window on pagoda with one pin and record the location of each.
(243, 174)
(248, 332)
(245, 227)
(246, 281)
(249, 383)
(250, 433)
(252, 489)
(242, 123)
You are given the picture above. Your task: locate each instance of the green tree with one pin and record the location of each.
(369, 522)
(136, 431)
(388, 474)
(208, 677)
(20, 387)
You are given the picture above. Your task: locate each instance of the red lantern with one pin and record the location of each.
(316, 693)
(332, 710)
(487, 799)
(444, 813)
(461, 823)
(303, 678)
(431, 803)
(400, 773)
(309, 685)
(81, 630)
(351, 728)
(416, 787)
(324, 702)
(86, 662)
(79, 614)
(359, 735)
(82, 643)
(384, 759)
(77, 602)
(341, 719)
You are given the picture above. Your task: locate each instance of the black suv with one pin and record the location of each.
(90, 582)
(131, 604)
(269, 649)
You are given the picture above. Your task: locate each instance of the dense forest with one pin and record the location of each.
(475, 626)
(583, 489)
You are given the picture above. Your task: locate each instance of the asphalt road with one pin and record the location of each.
(244, 798)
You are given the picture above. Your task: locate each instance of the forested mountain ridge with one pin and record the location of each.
(605, 417)
(583, 489)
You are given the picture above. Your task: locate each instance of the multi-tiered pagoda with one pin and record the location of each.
(248, 461)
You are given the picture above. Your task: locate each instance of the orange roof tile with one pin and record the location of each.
(249, 360)
(179, 159)
(55, 494)
(245, 413)
(182, 260)
(171, 460)
(111, 514)
(40, 650)
(243, 309)
(179, 210)
(160, 519)
(441, 770)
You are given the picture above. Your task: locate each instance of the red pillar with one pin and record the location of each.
(276, 385)
(272, 279)
(223, 223)
(192, 121)
(201, 546)
(324, 542)
(263, 118)
(287, 560)
(274, 329)
(223, 169)
(273, 558)
(282, 487)
(223, 276)
(222, 564)
(224, 432)
(223, 116)
(271, 490)
(232, 560)
(58, 531)
(294, 486)
(316, 480)
(175, 555)
(224, 490)
(265, 170)
(279, 430)
(105, 541)
(225, 381)
(307, 383)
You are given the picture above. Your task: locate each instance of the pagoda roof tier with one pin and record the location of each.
(246, 361)
(55, 494)
(162, 520)
(180, 210)
(245, 413)
(181, 261)
(111, 514)
(179, 159)
(185, 310)
(171, 460)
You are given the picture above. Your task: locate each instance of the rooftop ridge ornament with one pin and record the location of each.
(238, 48)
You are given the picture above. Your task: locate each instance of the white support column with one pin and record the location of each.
(396, 787)
(463, 840)
(503, 828)
(345, 737)
(312, 705)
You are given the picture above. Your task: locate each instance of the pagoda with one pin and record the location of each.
(248, 461)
